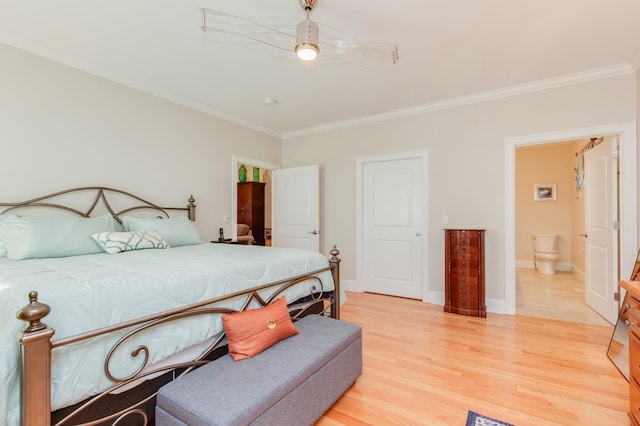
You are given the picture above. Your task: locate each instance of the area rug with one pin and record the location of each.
(475, 419)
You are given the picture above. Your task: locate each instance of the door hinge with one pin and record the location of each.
(616, 225)
(616, 296)
(616, 155)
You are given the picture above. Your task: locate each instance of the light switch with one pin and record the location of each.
(445, 219)
(226, 218)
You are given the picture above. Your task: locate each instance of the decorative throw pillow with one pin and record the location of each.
(28, 237)
(251, 332)
(117, 242)
(178, 231)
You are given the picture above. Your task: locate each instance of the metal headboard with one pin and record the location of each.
(101, 193)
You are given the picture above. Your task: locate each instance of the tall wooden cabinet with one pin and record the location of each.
(632, 311)
(251, 208)
(464, 272)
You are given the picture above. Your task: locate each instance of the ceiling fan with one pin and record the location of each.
(305, 41)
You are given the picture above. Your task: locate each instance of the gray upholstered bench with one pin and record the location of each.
(291, 383)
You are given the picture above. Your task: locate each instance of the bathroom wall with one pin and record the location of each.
(545, 164)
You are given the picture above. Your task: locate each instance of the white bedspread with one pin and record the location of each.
(93, 291)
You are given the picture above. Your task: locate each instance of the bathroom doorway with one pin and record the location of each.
(564, 145)
(558, 214)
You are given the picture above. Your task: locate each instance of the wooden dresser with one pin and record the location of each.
(633, 317)
(251, 208)
(464, 272)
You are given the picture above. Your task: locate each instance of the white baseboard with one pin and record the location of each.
(350, 285)
(525, 264)
(529, 264)
(495, 306)
(579, 274)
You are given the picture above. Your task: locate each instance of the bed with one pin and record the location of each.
(102, 331)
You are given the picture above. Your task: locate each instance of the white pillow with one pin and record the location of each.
(117, 242)
(27, 237)
(178, 231)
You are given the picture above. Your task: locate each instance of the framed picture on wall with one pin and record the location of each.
(544, 192)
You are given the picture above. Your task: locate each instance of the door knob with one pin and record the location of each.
(314, 232)
(584, 235)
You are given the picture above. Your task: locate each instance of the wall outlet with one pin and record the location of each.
(226, 218)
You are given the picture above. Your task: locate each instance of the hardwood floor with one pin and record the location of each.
(426, 367)
(560, 296)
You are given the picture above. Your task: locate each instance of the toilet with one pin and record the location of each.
(545, 253)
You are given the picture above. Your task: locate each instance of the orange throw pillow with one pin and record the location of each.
(251, 332)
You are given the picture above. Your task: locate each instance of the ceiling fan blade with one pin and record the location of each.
(225, 23)
(280, 32)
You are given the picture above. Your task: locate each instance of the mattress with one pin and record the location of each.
(98, 290)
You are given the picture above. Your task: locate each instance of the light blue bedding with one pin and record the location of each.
(97, 290)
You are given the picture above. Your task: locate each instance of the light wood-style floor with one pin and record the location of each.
(426, 367)
(560, 296)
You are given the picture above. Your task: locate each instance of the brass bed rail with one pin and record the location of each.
(101, 194)
(36, 344)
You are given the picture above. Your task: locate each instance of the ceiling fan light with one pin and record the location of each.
(307, 51)
(307, 40)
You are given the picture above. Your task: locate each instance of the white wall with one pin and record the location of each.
(466, 148)
(62, 128)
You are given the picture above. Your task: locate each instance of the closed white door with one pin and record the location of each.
(601, 246)
(296, 208)
(392, 207)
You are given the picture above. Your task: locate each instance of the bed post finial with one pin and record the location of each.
(192, 208)
(35, 353)
(335, 272)
(33, 313)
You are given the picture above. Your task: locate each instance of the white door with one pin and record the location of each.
(296, 208)
(392, 229)
(601, 246)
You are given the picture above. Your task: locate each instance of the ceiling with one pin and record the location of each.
(450, 51)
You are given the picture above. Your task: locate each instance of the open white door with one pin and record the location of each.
(296, 208)
(601, 246)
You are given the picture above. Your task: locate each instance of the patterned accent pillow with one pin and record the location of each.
(117, 242)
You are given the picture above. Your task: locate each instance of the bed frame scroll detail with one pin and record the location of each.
(102, 193)
(36, 345)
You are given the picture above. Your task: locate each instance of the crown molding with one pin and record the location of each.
(57, 55)
(550, 83)
(73, 62)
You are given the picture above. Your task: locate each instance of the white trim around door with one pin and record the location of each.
(628, 195)
(360, 162)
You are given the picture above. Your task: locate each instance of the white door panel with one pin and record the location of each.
(296, 216)
(392, 216)
(601, 246)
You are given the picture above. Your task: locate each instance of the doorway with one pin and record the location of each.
(266, 170)
(392, 231)
(628, 195)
